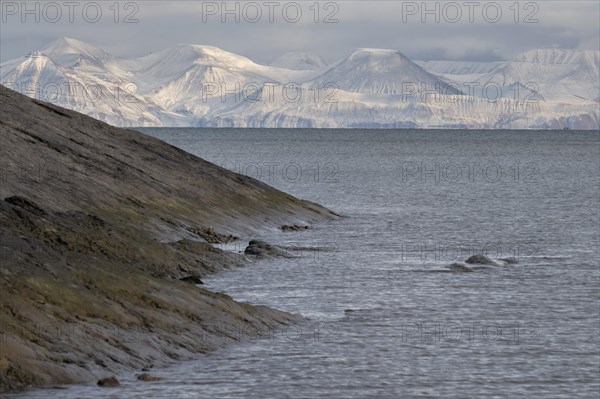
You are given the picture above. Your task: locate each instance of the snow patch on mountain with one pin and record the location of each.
(459, 67)
(381, 71)
(198, 85)
(557, 74)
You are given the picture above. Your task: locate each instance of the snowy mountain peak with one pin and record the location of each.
(211, 55)
(32, 74)
(377, 55)
(35, 61)
(68, 52)
(376, 51)
(299, 61)
(200, 85)
(69, 42)
(381, 71)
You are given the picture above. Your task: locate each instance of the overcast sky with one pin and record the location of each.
(470, 30)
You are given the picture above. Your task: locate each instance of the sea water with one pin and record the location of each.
(384, 321)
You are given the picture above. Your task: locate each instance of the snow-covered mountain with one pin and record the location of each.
(459, 67)
(194, 85)
(378, 71)
(79, 76)
(559, 75)
(300, 61)
(74, 53)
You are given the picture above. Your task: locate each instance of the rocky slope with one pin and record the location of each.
(97, 226)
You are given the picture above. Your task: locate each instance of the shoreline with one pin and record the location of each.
(99, 248)
(243, 323)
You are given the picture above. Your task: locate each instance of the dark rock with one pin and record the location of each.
(460, 268)
(109, 382)
(294, 227)
(481, 260)
(26, 204)
(212, 237)
(149, 377)
(263, 249)
(86, 218)
(192, 279)
(147, 367)
(511, 260)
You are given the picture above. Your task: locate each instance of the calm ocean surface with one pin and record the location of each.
(383, 323)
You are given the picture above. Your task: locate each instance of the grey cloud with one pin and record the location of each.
(568, 24)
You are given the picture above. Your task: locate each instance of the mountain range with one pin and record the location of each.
(196, 85)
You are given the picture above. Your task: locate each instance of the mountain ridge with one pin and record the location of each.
(200, 85)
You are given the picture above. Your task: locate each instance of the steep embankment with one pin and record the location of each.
(98, 224)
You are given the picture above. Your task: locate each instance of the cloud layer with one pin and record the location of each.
(263, 30)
